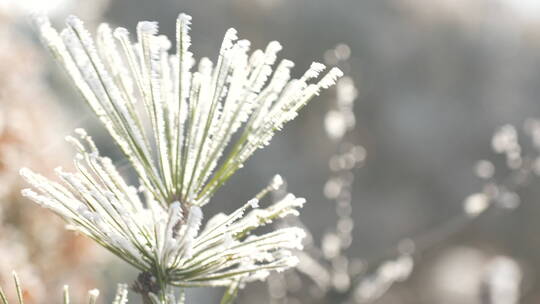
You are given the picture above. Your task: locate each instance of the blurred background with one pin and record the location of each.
(435, 79)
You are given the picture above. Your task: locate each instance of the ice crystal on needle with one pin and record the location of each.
(174, 122)
(192, 112)
(97, 202)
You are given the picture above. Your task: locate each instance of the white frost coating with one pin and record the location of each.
(193, 115)
(228, 41)
(98, 203)
(330, 79)
(314, 70)
(253, 203)
(174, 119)
(150, 27)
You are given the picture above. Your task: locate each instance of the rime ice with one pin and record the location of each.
(192, 110)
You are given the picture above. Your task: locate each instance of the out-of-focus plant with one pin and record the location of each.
(490, 278)
(34, 243)
(522, 163)
(174, 124)
(327, 274)
(493, 279)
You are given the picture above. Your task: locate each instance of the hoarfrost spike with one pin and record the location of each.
(192, 114)
(174, 119)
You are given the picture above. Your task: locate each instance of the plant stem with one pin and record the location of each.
(147, 284)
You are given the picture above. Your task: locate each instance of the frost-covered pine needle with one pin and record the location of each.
(174, 119)
(97, 202)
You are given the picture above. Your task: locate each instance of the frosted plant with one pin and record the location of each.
(174, 123)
